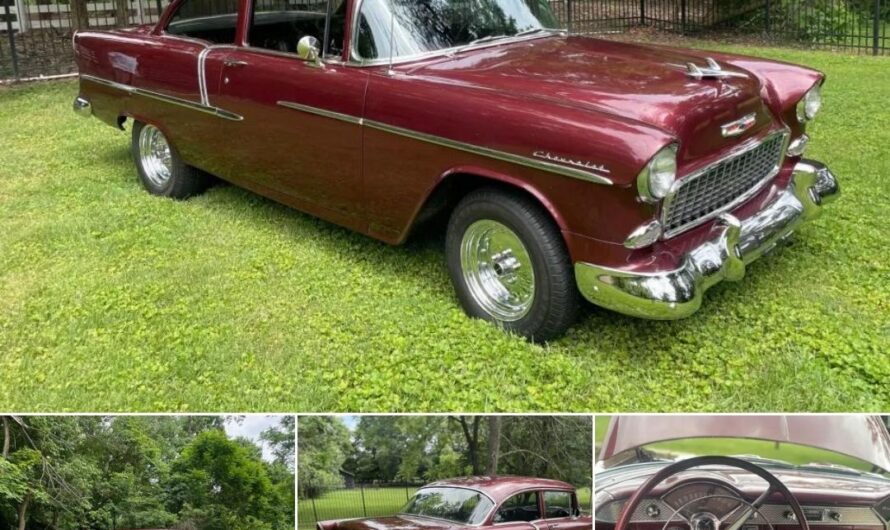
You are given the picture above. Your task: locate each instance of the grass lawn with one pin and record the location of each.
(114, 300)
(372, 502)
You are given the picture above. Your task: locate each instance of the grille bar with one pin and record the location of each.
(723, 185)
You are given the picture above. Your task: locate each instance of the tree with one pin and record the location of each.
(494, 444)
(80, 15)
(324, 443)
(281, 438)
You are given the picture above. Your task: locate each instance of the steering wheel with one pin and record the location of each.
(775, 486)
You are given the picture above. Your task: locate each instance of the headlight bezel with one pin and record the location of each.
(658, 177)
(810, 104)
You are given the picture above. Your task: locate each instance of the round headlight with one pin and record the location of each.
(809, 106)
(656, 179)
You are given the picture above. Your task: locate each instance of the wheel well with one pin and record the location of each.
(440, 203)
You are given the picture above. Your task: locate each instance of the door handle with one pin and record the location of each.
(234, 63)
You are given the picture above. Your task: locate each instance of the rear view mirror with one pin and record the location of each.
(307, 49)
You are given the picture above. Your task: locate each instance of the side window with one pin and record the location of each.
(557, 504)
(211, 20)
(280, 24)
(520, 507)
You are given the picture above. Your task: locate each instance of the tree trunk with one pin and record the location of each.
(122, 13)
(80, 17)
(6, 440)
(23, 511)
(472, 442)
(494, 443)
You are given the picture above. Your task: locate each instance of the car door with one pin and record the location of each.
(172, 72)
(561, 511)
(300, 137)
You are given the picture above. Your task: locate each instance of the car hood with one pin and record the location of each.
(396, 522)
(648, 84)
(862, 437)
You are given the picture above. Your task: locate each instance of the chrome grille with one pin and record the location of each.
(723, 185)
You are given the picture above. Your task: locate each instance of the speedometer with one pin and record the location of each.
(699, 497)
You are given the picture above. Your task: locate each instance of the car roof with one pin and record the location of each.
(501, 487)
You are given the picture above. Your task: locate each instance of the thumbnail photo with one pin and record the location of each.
(743, 472)
(438, 472)
(147, 472)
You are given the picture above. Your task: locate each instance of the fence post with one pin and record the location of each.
(314, 509)
(569, 15)
(642, 12)
(877, 28)
(364, 506)
(11, 34)
(683, 17)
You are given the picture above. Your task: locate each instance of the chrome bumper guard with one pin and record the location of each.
(83, 107)
(678, 293)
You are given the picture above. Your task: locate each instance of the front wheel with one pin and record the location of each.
(161, 169)
(509, 264)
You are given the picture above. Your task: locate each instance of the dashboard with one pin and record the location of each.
(703, 504)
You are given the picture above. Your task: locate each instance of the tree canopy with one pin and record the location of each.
(414, 449)
(67, 473)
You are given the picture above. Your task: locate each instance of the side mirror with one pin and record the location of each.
(307, 49)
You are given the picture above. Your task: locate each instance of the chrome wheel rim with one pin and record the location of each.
(497, 270)
(155, 156)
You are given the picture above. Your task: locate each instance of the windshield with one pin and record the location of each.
(763, 453)
(453, 504)
(413, 27)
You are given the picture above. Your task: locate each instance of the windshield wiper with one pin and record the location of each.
(762, 460)
(532, 31)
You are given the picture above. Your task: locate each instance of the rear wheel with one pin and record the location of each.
(509, 264)
(161, 170)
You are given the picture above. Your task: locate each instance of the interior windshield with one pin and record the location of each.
(453, 504)
(761, 452)
(412, 27)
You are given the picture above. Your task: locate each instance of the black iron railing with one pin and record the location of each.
(35, 35)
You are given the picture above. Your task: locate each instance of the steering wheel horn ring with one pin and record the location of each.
(774, 486)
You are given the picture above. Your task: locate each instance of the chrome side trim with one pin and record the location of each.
(133, 91)
(322, 112)
(491, 153)
(742, 149)
(202, 77)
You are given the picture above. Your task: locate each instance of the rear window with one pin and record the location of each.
(211, 20)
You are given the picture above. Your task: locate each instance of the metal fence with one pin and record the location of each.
(351, 500)
(35, 35)
(862, 26)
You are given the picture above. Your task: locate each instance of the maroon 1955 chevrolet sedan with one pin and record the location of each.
(511, 503)
(634, 176)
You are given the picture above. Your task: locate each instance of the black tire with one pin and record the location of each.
(185, 181)
(555, 303)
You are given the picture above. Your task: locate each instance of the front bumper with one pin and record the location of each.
(678, 293)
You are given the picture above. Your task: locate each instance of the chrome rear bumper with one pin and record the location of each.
(82, 107)
(678, 293)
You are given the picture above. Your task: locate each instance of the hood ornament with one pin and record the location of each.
(712, 70)
(737, 127)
